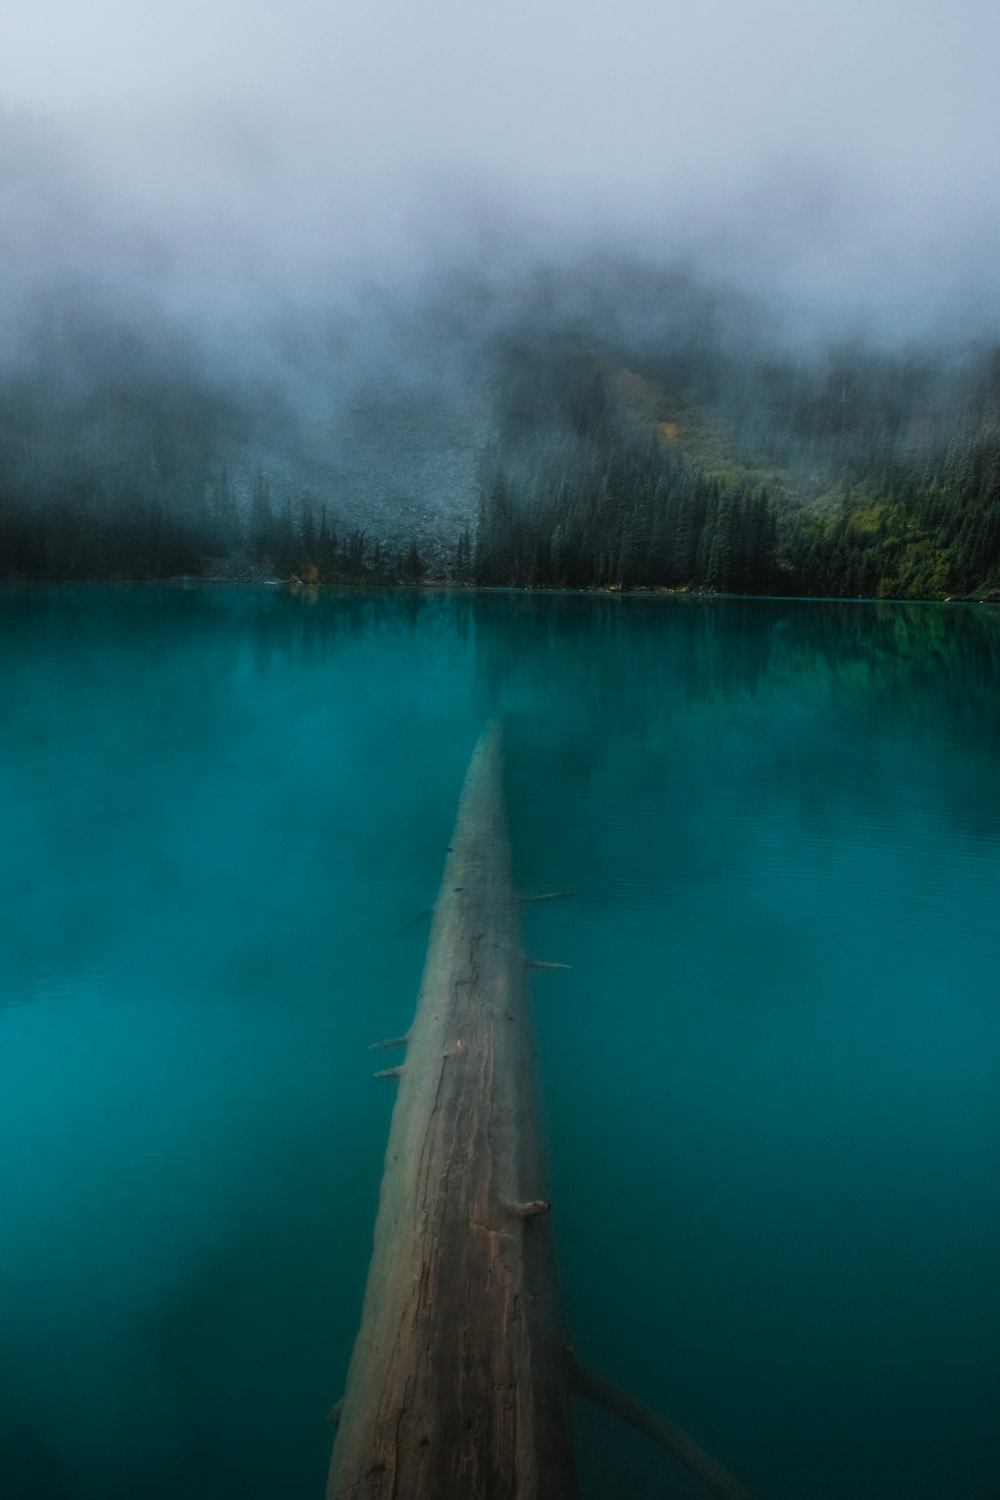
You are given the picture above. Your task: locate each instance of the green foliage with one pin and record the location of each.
(852, 475)
(850, 485)
(926, 533)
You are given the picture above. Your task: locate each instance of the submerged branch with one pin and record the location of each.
(679, 1444)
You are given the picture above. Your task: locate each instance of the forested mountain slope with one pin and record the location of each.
(849, 473)
(180, 403)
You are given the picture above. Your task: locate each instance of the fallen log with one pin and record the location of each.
(459, 1383)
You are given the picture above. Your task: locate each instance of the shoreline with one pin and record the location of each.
(197, 581)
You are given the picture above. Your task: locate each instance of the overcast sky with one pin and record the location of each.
(638, 93)
(780, 117)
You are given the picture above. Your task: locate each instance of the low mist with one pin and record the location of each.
(318, 256)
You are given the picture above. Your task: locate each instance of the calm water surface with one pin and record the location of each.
(771, 1077)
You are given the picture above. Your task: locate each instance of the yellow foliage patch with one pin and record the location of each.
(868, 518)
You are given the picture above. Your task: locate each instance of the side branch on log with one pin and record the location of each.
(390, 1072)
(537, 963)
(392, 1041)
(679, 1444)
(533, 1210)
(548, 896)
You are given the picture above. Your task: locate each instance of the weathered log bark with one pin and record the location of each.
(459, 1381)
(458, 1387)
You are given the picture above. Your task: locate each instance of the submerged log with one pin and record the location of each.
(459, 1383)
(459, 1380)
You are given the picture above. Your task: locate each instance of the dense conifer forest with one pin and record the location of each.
(857, 476)
(590, 423)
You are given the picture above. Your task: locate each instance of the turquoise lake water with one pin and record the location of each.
(771, 1077)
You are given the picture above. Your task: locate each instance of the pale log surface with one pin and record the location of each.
(458, 1384)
